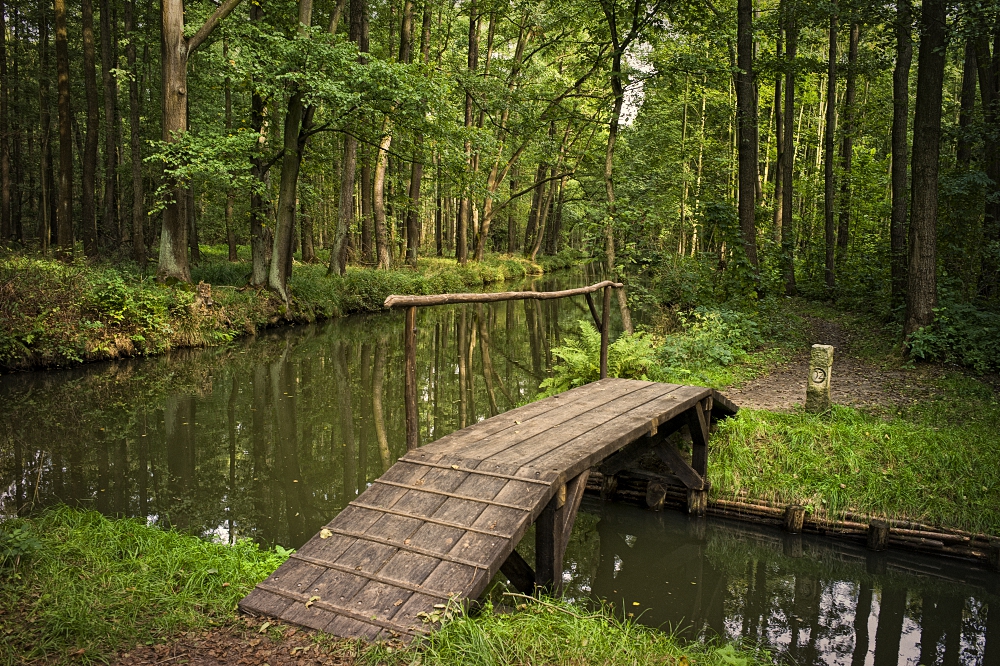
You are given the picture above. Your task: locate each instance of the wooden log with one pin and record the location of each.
(697, 502)
(397, 301)
(795, 518)
(878, 535)
(410, 380)
(605, 325)
(656, 494)
(609, 484)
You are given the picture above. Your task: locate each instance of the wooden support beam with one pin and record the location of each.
(593, 312)
(605, 316)
(410, 380)
(630, 455)
(574, 493)
(519, 573)
(545, 547)
(669, 454)
(698, 417)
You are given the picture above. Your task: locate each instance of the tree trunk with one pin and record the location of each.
(438, 210)
(746, 116)
(921, 293)
(779, 142)
(45, 212)
(963, 155)
(65, 212)
(135, 140)
(367, 218)
(511, 222)
(417, 168)
(306, 223)
(291, 163)
(5, 180)
(900, 149)
(173, 63)
(174, 54)
(378, 197)
(788, 167)
(828, 141)
(230, 193)
(462, 235)
(345, 219)
(989, 86)
(847, 146)
(109, 216)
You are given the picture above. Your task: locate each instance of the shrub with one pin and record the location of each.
(961, 334)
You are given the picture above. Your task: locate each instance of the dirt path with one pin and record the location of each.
(280, 645)
(854, 382)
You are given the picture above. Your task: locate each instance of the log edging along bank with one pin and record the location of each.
(877, 532)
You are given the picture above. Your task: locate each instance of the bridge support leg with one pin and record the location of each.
(552, 531)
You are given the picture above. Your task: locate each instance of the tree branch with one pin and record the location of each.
(223, 10)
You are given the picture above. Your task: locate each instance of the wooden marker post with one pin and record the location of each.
(410, 382)
(818, 388)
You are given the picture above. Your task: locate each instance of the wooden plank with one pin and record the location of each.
(543, 431)
(407, 544)
(427, 519)
(364, 577)
(669, 454)
(722, 407)
(595, 445)
(338, 609)
(538, 444)
(397, 301)
(473, 471)
(506, 421)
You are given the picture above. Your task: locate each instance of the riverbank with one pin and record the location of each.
(58, 314)
(908, 442)
(76, 587)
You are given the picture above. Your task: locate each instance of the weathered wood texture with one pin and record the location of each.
(440, 523)
(397, 301)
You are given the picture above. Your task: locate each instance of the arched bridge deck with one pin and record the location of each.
(440, 523)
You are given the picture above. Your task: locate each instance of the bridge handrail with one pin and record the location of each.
(396, 301)
(410, 332)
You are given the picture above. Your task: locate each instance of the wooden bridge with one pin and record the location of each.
(440, 523)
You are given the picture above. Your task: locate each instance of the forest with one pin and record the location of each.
(718, 151)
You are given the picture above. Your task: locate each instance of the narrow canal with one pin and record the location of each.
(269, 438)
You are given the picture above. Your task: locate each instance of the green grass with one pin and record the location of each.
(76, 587)
(933, 462)
(553, 632)
(87, 585)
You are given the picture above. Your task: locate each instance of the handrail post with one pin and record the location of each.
(605, 314)
(410, 387)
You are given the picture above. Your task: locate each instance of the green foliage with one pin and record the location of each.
(961, 334)
(629, 357)
(17, 544)
(95, 585)
(549, 631)
(707, 342)
(708, 338)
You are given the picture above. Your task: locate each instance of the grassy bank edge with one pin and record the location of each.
(60, 314)
(77, 587)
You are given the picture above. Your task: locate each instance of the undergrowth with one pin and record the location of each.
(710, 346)
(54, 313)
(74, 584)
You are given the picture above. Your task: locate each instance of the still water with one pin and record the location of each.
(270, 437)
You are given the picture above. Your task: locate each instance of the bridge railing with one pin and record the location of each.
(411, 303)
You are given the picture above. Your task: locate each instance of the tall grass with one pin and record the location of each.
(555, 632)
(89, 585)
(934, 461)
